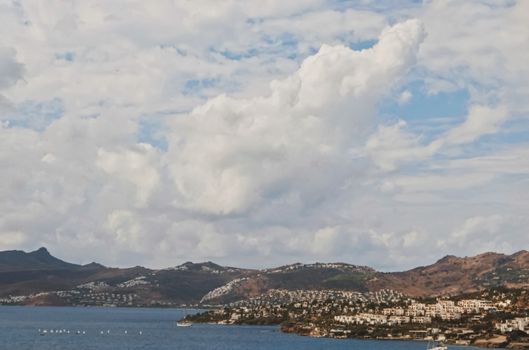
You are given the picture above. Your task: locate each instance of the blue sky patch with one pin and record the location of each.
(427, 114)
(150, 131)
(195, 86)
(67, 56)
(36, 115)
(362, 45)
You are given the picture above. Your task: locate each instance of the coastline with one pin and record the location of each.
(496, 341)
(314, 332)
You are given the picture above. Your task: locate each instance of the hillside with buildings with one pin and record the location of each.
(38, 278)
(496, 317)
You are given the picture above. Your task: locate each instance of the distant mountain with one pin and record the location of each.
(38, 271)
(40, 259)
(295, 277)
(24, 273)
(453, 275)
(35, 272)
(449, 275)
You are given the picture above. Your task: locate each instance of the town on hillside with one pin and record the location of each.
(491, 318)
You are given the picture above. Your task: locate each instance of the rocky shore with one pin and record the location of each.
(313, 330)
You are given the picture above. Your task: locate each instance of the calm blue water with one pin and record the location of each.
(19, 331)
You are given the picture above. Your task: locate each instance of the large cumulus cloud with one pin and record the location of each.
(242, 160)
(163, 141)
(230, 154)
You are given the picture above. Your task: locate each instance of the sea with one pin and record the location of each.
(80, 328)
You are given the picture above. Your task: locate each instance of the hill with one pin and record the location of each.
(455, 275)
(40, 259)
(23, 274)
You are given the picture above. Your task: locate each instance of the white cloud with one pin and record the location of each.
(286, 150)
(405, 97)
(137, 166)
(125, 227)
(257, 173)
(316, 28)
(479, 45)
(230, 154)
(12, 240)
(103, 54)
(510, 161)
(481, 120)
(438, 183)
(480, 234)
(392, 144)
(326, 240)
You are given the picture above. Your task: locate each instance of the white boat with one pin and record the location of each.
(436, 346)
(183, 324)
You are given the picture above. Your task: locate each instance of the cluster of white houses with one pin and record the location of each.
(418, 313)
(13, 299)
(304, 298)
(377, 319)
(518, 323)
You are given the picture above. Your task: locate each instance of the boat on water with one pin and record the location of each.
(183, 323)
(436, 346)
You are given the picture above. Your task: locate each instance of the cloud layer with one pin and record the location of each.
(260, 135)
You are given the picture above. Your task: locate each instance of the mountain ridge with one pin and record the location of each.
(38, 259)
(38, 271)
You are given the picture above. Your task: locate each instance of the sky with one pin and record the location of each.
(266, 132)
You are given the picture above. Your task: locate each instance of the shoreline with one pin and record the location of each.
(479, 343)
(192, 307)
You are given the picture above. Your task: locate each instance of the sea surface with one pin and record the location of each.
(141, 328)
